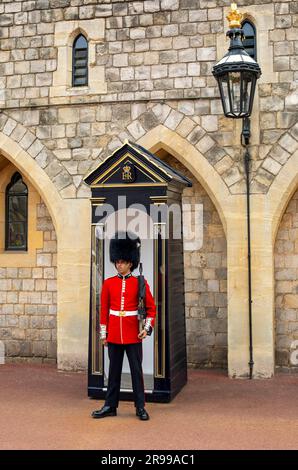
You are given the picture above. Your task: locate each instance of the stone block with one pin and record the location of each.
(169, 4)
(187, 55)
(174, 119)
(177, 70)
(170, 30)
(12, 348)
(136, 130)
(159, 44)
(185, 127)
(136, 33)
(39, 348)
(270, 136)
(181, 42)
(281, 64)
(148, 120)
(291, 301)
(288, 143)
(159, 71)
(6, 20)
(44, 260)
(51, 349)
(146, 20)
(198, 15)
(183, 82)
(152, 6)
(50, 322)
(272, 166)
(206, 54)
(195, 135)
(103, 10)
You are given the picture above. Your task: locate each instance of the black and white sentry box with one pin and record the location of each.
(138, 190)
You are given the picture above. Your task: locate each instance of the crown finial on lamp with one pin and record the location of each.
(234, 17)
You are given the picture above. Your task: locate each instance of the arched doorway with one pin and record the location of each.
(205, 267)
(71, 219)
(231, 210)
(28, 273)
(286, 287)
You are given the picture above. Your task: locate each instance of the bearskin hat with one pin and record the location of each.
(126, 246)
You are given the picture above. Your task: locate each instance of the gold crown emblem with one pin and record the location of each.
(126, 173)
(234, 17)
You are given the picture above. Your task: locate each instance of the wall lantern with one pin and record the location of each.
(237, 72)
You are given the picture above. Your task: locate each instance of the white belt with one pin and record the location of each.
(123, 313)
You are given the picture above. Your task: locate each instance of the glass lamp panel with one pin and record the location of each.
(224, 91)
(246, 91)
(235, 92)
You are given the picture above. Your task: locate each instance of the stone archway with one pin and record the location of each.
(35, 174)
(205, 273)
(285, 242)
(231, 211)
(267, 212)
(282, 190)
(28, 308)
(71, 218)
(286, 287)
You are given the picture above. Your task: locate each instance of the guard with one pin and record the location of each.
(119, 325)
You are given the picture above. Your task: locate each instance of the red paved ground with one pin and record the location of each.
(41, 408)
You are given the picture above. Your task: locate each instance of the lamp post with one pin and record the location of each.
(237, 74)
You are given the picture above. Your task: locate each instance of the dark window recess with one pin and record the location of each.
(250, 39)
(16, 214)
(80, 61)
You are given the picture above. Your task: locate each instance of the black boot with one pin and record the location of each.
(104, 411)
(142, 414)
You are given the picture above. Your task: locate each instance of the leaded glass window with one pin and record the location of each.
(16, 217)
(80, 61)
(250, 41)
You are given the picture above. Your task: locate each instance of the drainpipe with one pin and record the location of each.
(247, 160)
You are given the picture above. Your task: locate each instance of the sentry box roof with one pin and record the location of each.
(135, 165)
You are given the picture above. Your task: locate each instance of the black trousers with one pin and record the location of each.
(134, 353)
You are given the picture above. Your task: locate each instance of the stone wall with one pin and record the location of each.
(286, 285)
(28, 300)
(151, 51)
(157, 58)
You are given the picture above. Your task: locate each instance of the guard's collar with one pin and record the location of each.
(124, 277)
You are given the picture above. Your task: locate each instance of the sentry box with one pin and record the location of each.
(132, 188)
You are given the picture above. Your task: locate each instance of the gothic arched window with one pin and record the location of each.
(250, 38)
(16, 214)
(80, 61)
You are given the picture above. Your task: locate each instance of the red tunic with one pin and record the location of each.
(120, 293)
